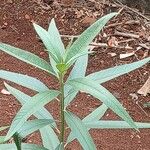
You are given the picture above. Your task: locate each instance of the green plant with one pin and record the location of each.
(61, 60)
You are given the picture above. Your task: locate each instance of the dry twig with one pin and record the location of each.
(130, 35)
(131, 9)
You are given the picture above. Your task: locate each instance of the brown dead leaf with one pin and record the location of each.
(112, 42)
(145, 89)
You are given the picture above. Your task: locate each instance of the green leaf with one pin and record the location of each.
(55, 37)
(42, 113)
(17, 140)
(49, 43)
(3, 128)
(76, 72)
(27, 57)
(80, 131)
(33, 125)
(24, 80)
(87, 36)
(29, 108)
(53, 64)
(79, 69)
(49, 137)
(56, 40)
(108, 74)
(2, 139)
(74, 58)
(69, 98)
(111, 124)
(60, 147)
(102, 94)
(94, 116)
(24, 147)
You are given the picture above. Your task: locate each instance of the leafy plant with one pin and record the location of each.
(61, 60)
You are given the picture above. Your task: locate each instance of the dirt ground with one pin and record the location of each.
(73, 17)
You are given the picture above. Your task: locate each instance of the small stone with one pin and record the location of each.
(42, 53)
(5, 92)
(5, 23)
(27, 17)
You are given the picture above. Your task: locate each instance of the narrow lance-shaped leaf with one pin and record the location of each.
(108, 74)
(29, 108)
(111, 124)
(49, 43)
(97, 114)
(33, 125)
(24, 147)
(74, 58)
(87, 36)
(49, 137)
(27, 57)
(42, 113)
(92, 117)
(24, 80)
(80, 131)
(69, 98)
(60, 147)
(55, 37)
(54, 64)
(56, 40)
(79, 70)
(102, 94)
(2, 139)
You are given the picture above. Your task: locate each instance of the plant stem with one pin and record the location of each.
(61, 81)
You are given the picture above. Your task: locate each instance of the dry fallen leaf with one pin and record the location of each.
(145, 89)
(5, 92)
(112, 42)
